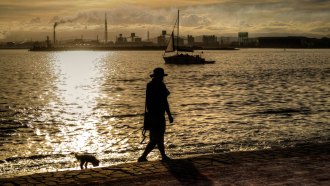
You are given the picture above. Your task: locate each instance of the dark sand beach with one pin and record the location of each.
(305, 164)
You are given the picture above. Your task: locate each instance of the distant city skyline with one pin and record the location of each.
(34, 19)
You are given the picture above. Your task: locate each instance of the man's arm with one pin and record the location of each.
(167, 109)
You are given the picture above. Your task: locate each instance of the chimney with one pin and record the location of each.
(54, 35)
(106, 29)
(132, 36)
(55, 24)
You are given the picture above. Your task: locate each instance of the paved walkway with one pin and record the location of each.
(303, 165)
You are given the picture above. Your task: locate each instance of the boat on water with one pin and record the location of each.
(177, 56)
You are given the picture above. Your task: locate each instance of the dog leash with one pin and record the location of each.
(143, 129)
(127, 136)
(143, 135)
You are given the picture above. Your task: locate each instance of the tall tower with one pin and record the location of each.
(106, 29)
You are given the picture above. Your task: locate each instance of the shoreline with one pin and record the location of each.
(149, 48)
(304, 164)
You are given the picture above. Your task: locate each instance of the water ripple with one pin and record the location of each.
(56, 103)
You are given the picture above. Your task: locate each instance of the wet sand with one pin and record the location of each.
(307, 164)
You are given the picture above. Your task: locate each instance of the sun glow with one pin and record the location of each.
(79, 77)
(77, 72)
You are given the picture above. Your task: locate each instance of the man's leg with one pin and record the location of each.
(151, 145)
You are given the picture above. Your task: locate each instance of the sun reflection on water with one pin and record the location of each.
(79, 77)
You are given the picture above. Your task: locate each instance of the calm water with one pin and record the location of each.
(55, 103)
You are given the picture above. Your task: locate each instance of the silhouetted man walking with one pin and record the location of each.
(157, 105)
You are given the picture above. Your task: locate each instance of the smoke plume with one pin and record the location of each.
(61, 22)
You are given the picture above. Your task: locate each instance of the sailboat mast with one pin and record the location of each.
(177, 37)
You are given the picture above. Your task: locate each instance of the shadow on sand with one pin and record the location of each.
(186, 172)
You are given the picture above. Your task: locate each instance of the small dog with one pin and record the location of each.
(85, 159)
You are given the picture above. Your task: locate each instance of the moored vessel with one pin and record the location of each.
(179, 57)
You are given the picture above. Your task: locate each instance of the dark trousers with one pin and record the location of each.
(156, 136)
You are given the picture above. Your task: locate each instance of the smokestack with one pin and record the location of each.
(132, 36)
(106, 29)
(55, 24)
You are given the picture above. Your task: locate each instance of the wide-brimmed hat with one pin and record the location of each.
(158, 72)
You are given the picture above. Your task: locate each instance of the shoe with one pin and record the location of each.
(142, 159)
(166, 158)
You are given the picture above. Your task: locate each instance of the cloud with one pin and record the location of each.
(3, 34)
(277, 24)
(244, 24)
(35, 20)
(193, 20)
(118, 16)
(325, 30)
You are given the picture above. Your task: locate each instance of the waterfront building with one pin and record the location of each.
(243, 38)
(161, 40)
(121, 39)
(191, 40)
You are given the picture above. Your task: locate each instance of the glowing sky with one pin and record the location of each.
(34, 19)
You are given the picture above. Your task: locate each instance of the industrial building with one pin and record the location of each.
(202, 42)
